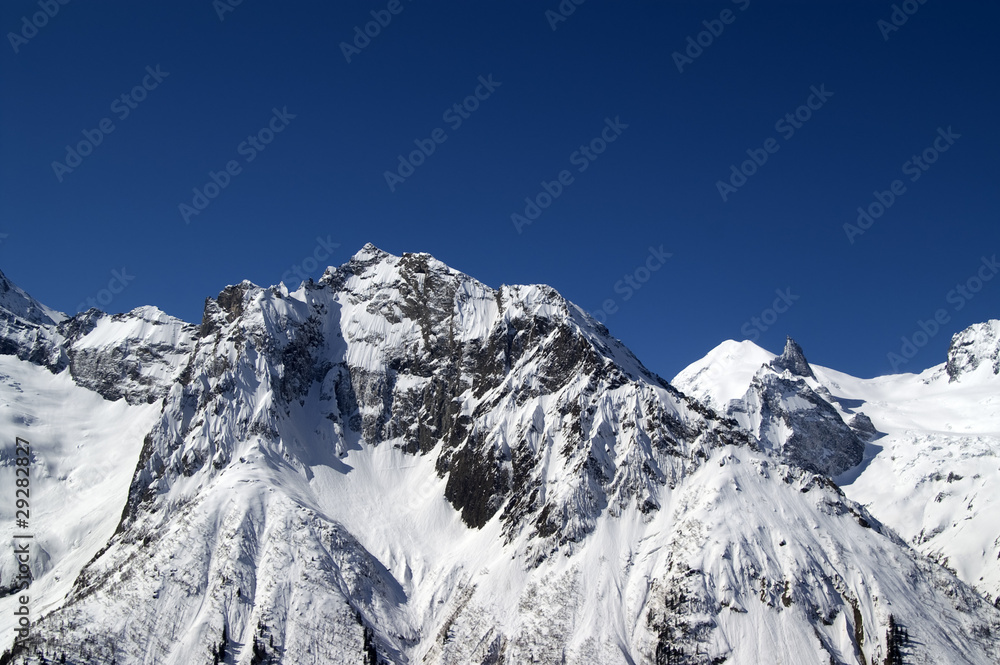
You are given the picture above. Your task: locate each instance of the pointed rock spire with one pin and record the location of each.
(793, 360)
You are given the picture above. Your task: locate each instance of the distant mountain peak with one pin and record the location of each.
(14, 300)
(977, 345)
(793, 360)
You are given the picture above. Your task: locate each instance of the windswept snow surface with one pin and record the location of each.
(935, 476)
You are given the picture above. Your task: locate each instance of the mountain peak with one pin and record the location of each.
(793, 360)
(14, 300)
(724, 373)
(979, 344)
(369, 253)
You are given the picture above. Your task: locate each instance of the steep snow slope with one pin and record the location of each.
(84, 453)
(942, 454)
(398, 464)
(724, 374)
(934, 475)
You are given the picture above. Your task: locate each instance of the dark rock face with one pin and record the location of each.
(136, 365)
(864, 428)
(432, 386)
(142, 362)
(792, 419)
(797, 422)
(36, 343)
(793, 360)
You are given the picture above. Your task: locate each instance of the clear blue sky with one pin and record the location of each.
(656, 184)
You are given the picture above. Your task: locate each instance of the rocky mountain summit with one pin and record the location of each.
(793, 360)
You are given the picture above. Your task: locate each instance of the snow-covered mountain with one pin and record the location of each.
(794, 421)
(399, 464)
(931, 470)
